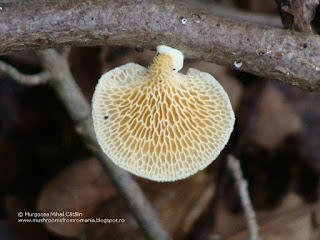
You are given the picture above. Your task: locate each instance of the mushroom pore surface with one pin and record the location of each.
(158, 124)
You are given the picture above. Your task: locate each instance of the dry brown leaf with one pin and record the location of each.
(292, 219)
(12, 229)
(178, 205)
(276, 118)
(81, 187)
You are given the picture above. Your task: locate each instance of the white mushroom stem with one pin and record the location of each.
(242, 187)
(176, 56)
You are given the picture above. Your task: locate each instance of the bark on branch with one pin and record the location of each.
(285, 55)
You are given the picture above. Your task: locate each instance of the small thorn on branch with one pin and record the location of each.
(242, 188)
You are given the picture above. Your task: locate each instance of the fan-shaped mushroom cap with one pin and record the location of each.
(159, 124)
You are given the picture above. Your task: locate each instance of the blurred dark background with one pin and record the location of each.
(45, 167)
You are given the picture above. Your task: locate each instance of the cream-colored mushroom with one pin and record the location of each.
(160, 124)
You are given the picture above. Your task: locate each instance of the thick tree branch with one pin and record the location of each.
(268, 52)
(23, 78)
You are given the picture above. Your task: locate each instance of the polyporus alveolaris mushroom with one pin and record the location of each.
(160, 124)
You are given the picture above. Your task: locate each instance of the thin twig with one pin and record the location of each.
(79, 109)
(40, 78)
(288, 56)
(242, 187)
